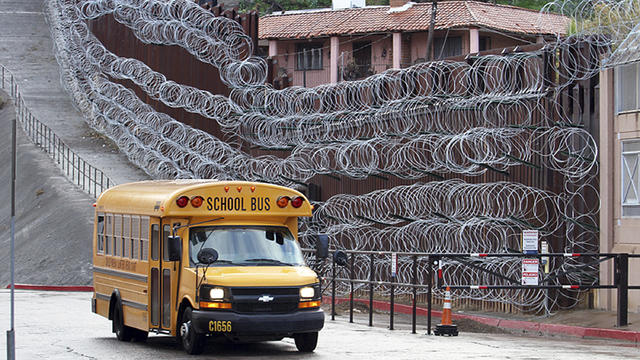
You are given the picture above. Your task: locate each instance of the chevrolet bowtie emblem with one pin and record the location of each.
(265, 298)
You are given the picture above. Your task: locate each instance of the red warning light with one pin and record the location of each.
(253, 188)
(239, 188)
(182, 201)
(297, 201)
(226, 189)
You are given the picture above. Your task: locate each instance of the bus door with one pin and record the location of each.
(154, 275)
(168, 274)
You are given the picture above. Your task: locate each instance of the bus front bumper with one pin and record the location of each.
(258, 324)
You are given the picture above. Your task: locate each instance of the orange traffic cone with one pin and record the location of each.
(446, 327)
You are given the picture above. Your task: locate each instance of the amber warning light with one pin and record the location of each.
(197, 201)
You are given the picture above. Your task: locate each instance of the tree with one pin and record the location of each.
(268, 6)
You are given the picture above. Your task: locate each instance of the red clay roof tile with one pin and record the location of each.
(451, 14)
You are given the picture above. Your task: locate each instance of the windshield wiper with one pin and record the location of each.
(274, 261)
(223, 262)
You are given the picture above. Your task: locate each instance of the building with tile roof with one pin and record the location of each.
(319, 46)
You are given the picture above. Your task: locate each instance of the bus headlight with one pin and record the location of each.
(307, 292)
(216, 294)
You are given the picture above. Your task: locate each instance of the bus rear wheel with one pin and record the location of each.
(123, 332)
(306, 342)
(192, 342)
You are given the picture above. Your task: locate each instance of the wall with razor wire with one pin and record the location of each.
(458, 155)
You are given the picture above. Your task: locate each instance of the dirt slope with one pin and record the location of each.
(53, 218)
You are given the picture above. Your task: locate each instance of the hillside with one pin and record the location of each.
(53, 218)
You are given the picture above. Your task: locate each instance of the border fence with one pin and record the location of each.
(81, 173)
(434, 278)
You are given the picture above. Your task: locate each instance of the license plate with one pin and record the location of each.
(219, 326)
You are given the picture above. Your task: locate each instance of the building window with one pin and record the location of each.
(309, 56)
(447, 47)
(630, 175)
(485, 43)
(627, 85)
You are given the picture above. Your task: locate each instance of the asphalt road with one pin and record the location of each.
(56, 325)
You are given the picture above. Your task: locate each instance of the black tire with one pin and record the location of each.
(192, 342)
(140, 335)
(123, 332)
(306, 342)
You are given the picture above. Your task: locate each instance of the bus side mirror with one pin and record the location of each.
(207, 256)
(322, 246)
(175, 248)
(340, 258)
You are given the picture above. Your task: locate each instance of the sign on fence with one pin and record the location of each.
(530, 271)
(530, 241)
(394, 264)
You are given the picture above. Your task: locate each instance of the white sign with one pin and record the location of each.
(530, 271)
(394, 264)
(530, 241)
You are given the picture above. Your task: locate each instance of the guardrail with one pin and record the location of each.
(621, 279)
(86, 176)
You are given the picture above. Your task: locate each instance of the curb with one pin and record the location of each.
(82, 288)
(524, 326)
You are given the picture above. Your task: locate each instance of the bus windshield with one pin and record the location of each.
(246, 245)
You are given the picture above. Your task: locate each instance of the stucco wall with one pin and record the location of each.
(618, 234)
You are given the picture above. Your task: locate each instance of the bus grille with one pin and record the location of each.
(282, 300)
(270, 308)
(259, 291)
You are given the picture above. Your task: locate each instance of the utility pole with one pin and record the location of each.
(305, 66)
(11, 338)
(434, 10)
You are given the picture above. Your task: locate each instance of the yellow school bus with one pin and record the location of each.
(200, 258)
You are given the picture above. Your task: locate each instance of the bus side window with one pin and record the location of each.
(117, 235)
(144, 238)
(126, 236)
(155, 231)
(135, 236)
(166, 229)
(108, 235)
(100, 234)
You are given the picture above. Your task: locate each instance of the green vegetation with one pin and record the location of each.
(268, 6)
(529, 4)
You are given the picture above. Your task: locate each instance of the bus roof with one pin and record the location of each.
(219, 198)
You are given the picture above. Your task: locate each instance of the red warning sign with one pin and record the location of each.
(530, 271)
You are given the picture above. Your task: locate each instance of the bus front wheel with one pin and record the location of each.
(192, 342)
(306, 342)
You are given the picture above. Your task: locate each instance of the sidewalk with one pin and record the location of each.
(578, 323)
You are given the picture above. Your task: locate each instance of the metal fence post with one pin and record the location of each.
(351, 275)
(429, 293)
(333, 288)
(371, 291)
(392, 309)
(414, 281)
(622, 281)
